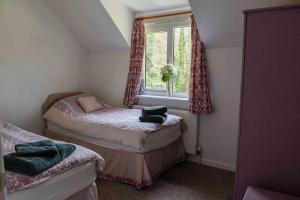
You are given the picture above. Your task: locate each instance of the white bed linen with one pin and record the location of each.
(115, 124)
(60, 186)
(153, 141)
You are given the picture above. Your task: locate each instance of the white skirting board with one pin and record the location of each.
(211, 163)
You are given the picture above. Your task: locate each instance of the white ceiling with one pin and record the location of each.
(90, 22)
(140, 6)
(220, 22)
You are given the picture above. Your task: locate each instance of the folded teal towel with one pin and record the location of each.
(153, 118)
(33, 165)
(40, 148)
(165, 115)
(154, 110)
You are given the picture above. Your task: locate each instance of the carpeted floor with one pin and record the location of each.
(186, 181)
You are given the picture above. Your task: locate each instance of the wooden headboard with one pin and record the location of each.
(52, 98)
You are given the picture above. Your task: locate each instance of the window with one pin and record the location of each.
(167, 42)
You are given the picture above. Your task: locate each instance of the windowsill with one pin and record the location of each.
(171, 102)
(163, 97)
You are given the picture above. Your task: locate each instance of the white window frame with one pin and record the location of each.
(167, 25)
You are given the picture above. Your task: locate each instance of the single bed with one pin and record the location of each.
(135, 153)
(72, 179)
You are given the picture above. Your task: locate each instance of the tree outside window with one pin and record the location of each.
(167, 43)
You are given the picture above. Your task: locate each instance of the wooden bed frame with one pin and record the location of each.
(52, 98)
(138, 169)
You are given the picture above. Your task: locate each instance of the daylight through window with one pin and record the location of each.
(167, 42)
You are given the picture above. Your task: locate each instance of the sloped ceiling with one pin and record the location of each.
(105, 25)
(90, 23)
(121, 15)
(221, 21)
(139, 6)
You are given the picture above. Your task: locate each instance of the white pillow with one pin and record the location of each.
(89, 104)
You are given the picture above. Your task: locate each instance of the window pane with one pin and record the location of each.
(182, 58)
(155, 58)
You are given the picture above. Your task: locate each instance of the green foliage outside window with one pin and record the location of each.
(156, 57)
(182, 58)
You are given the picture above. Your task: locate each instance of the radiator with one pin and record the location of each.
(190, 134)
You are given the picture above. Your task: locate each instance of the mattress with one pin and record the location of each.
(60, 186)
(157, 140)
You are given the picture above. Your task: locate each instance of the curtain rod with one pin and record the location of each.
(164, 15)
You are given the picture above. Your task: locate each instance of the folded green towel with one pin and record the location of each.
(40, 148)
(33, 165)
(154, 110)
(165, 115)
(153, 118)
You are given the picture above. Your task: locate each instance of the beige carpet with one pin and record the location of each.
(186, 181)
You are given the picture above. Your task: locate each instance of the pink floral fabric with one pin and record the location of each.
(199, 95)
(70, 105)
(136, 62)
(119, 118)
(11, 135)
(143, 183)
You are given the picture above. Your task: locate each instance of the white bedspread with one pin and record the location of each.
(116, 125)
(12, 135)
(60, 186)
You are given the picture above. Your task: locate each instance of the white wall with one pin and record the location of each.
(219, 131)
(38, 56)
(108, 75)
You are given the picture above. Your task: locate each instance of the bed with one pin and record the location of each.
(135, 153)
(71, 179)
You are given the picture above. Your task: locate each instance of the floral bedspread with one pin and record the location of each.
(113, 124)
(121, 118)
(11, 135)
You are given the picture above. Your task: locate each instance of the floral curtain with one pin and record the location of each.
(136, 62)
(199, 95)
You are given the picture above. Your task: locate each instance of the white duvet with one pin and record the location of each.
(117, 125)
